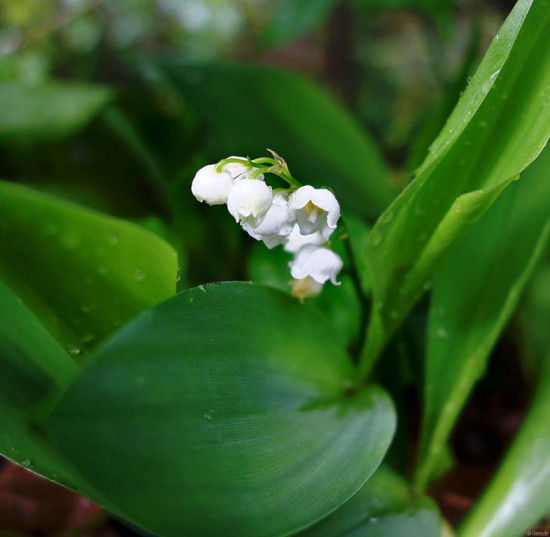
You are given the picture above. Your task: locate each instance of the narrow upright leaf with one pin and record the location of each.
(474, 294)
(519, 494)
(499, 126)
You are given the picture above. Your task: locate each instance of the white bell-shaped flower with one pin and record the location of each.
(305, 287)
(316, 210)
(321, 264)
(211, 186)
(276, 225)
(296, 241)
(249, 201)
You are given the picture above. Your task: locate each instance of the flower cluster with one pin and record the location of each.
(301, 218)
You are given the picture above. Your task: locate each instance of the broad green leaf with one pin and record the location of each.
(474, 295)
(231, 406)
(82, 272)
(519, 494)
(48, 111)
(289, 19)
(33, 365)
(384, 506)
(499, 126)
(251, 108)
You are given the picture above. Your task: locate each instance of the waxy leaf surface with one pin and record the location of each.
(33, 365)
(384, 506)
(232, 406)
(47, 111)
(82, 272)
(474, 295)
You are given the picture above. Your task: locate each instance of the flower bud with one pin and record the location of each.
(211, 186)
(321, 264)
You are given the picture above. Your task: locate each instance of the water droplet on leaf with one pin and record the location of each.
(139, 275)
(112, 239)
(86, 309)
(73, 349)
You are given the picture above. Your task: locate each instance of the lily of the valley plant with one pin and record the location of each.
(301, 218)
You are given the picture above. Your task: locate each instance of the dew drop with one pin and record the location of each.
(112, 239)
(190, 299)
(139, 275)
(71, 239)
(202, 288)
(27, 463)
(73, 349)
(375, 237)
(208, 417)
(442, 333)
(373, 520)
(86, 309)
(386, 217)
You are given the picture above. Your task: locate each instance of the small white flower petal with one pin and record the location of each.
(211, 186)
(249, 201)
(276, 225)
(279, 219)
(321, 264)
(296, 241)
